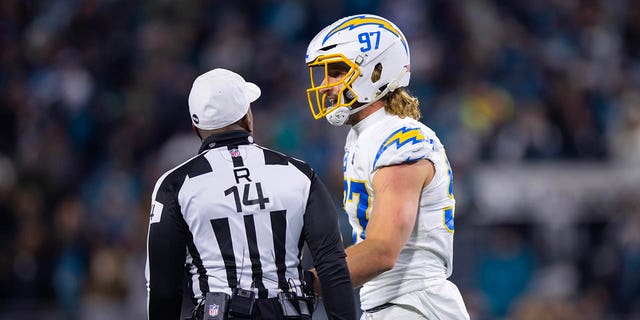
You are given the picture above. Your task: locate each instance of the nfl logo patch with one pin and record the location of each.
(213, 310)
(234, 153)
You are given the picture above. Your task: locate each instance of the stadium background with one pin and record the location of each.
(537, 102)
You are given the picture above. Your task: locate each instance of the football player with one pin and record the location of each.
(398, 188)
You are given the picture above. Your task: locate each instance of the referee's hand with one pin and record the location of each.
(317, 289)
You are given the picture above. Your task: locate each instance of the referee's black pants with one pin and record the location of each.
(265, 308)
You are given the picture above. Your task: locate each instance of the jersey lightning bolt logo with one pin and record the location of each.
(366, 20)
(399, 138)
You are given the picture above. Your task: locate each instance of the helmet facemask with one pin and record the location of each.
(323, 103)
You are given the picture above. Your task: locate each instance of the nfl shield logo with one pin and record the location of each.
(234, 153)
(213, 310)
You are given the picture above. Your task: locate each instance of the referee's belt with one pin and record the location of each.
(221, 306)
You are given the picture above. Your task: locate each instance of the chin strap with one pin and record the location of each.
(340, 116)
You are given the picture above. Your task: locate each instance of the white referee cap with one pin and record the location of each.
(219, 98)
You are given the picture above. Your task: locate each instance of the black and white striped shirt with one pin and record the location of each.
(237, 215)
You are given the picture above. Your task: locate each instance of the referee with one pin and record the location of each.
(234, 219)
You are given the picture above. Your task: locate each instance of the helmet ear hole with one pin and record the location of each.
(377, 72)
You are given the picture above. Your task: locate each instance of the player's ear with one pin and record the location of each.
(196, 131)
(247, 122)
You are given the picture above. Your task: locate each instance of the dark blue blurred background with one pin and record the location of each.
(537, 102)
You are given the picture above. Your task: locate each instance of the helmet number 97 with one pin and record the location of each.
(365, 38)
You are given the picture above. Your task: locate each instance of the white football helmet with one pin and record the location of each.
(358, 43)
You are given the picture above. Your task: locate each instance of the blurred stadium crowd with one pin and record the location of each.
(93, 108)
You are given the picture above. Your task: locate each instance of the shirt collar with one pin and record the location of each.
(369, 121)
(229, 138)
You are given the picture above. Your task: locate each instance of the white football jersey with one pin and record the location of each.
(382, 140)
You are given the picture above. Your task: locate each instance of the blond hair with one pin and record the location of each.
(401, 103)
(398, 102)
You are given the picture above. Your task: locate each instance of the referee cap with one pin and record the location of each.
(219, 98)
